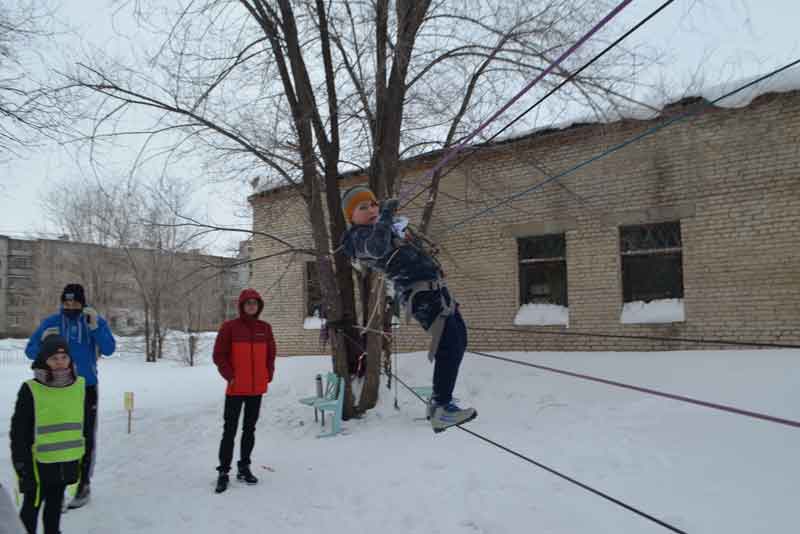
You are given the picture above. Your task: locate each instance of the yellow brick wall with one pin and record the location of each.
(732, 178)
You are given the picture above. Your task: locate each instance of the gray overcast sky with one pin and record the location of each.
(729, 38)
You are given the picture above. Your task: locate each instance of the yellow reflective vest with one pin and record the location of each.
(58, 422)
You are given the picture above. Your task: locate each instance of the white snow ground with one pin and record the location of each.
(704, 471)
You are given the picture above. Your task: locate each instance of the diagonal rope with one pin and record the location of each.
(698, 341)
(550, 93)
(648, 391)
(452, 152)
(640, 389)
(616, 148)
(557, 473)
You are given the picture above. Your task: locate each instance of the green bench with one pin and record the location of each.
(332, 400)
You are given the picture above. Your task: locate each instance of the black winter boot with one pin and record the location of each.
(222, 482)
(245, 475)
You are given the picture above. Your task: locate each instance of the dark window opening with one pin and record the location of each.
(652, 262)
(313, 291)
(543, 270)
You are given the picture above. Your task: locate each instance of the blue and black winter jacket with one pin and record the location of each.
(83, 342)
(378, 247)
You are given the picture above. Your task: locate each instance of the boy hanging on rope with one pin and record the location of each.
(380, 242)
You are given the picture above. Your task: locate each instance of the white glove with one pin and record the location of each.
(399, 225)
(91, 317)
(51, 331)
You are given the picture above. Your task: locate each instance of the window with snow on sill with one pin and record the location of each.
(313, 323)
(542, 315)
(653, 312)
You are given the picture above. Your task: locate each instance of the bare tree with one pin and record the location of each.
(293, 92)
(140, 251)
(27, 108)
(85, 215)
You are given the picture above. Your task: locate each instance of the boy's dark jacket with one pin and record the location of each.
(380, 249)
(22, 436)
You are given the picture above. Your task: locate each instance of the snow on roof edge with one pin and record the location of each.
(783, 82)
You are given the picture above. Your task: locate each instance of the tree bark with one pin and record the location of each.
(374, 313)
(149, 356)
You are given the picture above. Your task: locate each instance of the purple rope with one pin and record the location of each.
(552, 471)
(450, 154)
(705, 404)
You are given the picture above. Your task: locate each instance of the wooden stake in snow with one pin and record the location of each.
(129, 407)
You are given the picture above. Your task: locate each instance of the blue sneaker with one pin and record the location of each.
(446, 415)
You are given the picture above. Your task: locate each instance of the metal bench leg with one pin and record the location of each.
(316, 417)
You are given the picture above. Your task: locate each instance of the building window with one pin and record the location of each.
(131, 322)
(14, 320)
(652, 262)
(652, 273)
(313, 290)
(18, 301)
(20, 282)
(542, 280)
(20, 262)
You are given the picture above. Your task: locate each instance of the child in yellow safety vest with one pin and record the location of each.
(47, 441)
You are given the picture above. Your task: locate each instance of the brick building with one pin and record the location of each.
(237, 277)
(34, 271)
(692, 232)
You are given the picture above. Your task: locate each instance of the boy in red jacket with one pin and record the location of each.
(244, 353)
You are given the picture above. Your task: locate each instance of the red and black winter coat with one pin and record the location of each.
(244, 351)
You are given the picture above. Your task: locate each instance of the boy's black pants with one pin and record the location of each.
(233, 407)
(89, 434)
(52, 498)
(451, 349)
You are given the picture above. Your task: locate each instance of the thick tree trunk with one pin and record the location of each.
(385, 164)
(373, 315)
(340, 347)
(192, 349)
(157, 328)
(342, 268)
(332, 296)
(149, 356)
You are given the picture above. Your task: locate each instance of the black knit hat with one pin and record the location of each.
(73, 292)
(49, 346)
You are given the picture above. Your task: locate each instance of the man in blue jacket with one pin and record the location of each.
(87, 335)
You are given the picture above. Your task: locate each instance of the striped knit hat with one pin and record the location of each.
(352, 197)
